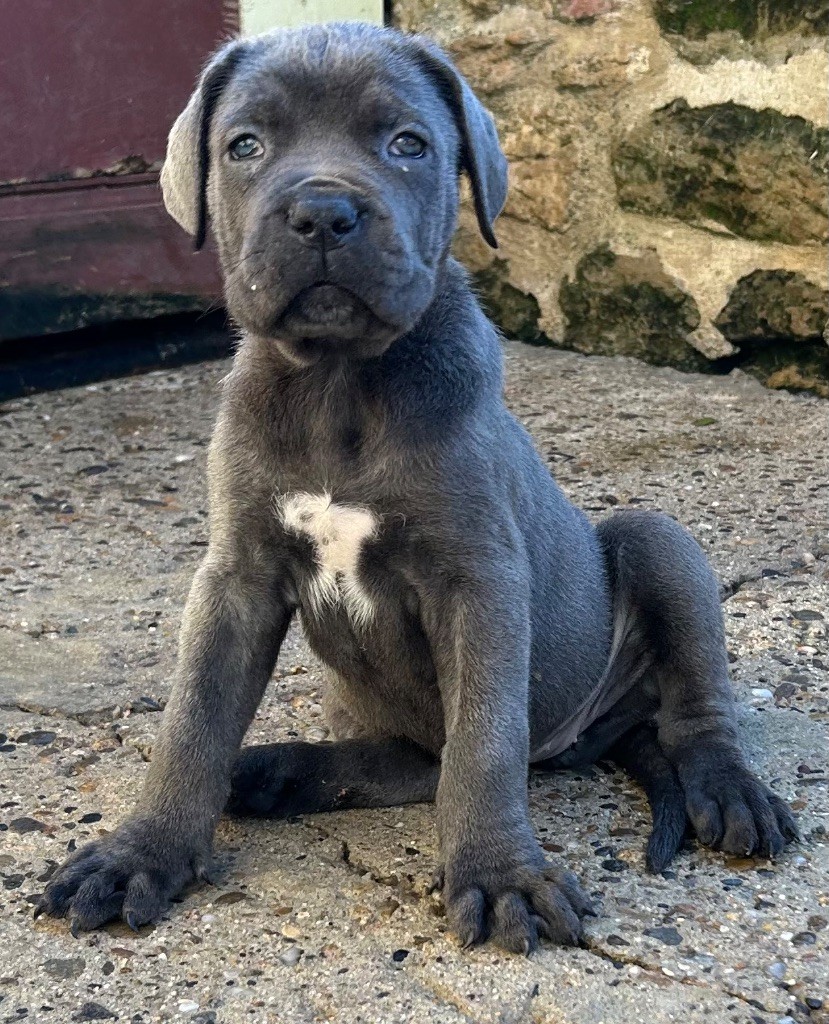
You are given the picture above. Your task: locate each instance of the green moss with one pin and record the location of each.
(752, 19)
(515, 312)
(759, 173)
(623, 305)
(769, 305)
(697, 18)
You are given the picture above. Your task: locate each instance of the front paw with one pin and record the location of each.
(131, 873)
(512, 904)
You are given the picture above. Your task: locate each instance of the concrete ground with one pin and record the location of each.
(327, 918)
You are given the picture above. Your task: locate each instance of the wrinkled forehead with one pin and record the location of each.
(305, 79)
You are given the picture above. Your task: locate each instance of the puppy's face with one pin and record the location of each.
(333, 194)
(331, 157)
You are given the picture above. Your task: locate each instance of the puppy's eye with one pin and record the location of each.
(245, 147)
(407, 144)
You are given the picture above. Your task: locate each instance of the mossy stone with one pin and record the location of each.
(774, 304)
(516, 313)
(752, 19)
(627, 305)
(760, 174)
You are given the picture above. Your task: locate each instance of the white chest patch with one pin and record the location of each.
(338, 533)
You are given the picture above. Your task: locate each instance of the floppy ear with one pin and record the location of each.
(481, 155)
(187, 164)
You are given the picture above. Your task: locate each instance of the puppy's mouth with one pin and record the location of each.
(326, 311)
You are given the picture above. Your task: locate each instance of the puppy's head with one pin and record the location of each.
(327, 159)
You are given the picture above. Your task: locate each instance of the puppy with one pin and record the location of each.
(365, 474)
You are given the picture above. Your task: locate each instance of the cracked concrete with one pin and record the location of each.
(328, 917)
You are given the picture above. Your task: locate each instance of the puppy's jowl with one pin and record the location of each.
(366, 475)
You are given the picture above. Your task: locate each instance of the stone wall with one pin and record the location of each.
(668, 176)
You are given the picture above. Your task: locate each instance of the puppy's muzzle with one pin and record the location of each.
(326, 215)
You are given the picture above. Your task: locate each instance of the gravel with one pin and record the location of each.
(102, 508)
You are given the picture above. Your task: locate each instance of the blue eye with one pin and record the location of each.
(407, 144)
(245, 147)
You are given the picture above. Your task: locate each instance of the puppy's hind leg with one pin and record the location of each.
(281, 779)
(664, 575)
(626, 735)
(639, 753)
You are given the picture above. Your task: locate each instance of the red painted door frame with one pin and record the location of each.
(88, 91)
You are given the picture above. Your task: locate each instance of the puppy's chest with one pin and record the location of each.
(338, 534)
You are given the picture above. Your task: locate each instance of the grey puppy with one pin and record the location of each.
(365, 473)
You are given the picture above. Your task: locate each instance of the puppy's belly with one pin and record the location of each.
(338, 534)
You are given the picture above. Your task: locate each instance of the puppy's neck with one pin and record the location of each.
(447, 363)
(343, 429)
(451, 360)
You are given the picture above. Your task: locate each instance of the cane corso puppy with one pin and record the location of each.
(366, 474)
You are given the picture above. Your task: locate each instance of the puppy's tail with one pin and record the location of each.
(639, 753)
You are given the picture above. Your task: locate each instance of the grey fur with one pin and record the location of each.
(507, 629)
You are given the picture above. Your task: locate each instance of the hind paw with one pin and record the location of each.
(733, 811)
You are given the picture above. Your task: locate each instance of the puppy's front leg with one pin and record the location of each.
(496, 882)
(234, 623)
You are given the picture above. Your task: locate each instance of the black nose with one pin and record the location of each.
(323, 218)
